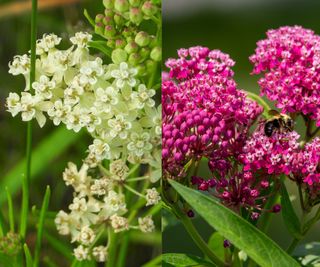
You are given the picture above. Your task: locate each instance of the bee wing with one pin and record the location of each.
(273, 112)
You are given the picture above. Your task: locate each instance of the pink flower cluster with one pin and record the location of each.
(290, 60)
(204, 114)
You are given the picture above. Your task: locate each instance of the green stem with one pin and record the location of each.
(26, 177)
(192, 231)
(121, 262)
(112, 249)
(293, 245)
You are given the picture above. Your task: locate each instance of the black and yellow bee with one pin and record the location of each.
(278, 121)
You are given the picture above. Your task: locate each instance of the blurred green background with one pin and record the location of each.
(64, 18)
(233, 27)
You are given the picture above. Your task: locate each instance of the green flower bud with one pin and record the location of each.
(149, 9)
(10, 244)
(99, 28)
(142, 39)
(130, 39)
(131, 47)
(134, 3)
(120, 43)
(119, 20)
(119, 55)
(128, 32)
(109, 31)
(141, 70)
(150, 64)
(108, 12)
(107, 20)
(134, 59)
(135, 15)
(111, 43)
(153, 41)
(99, 18)
(156, 54)
(108, 3)
(121, 5)
(144, 53)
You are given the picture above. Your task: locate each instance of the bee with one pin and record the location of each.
(278, 121)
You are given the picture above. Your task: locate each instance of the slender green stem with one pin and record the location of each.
(293, 245)
(112, 249)
(121, 261)
(11, 212)
(26, 177)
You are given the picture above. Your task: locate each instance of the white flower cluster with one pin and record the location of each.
(78, 90)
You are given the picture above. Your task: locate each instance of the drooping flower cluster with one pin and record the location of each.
(204, 114)
(290, 61)
(110, 102)
(120, 25)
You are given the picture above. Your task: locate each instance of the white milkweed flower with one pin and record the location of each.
(119, 126)
(86, 235)
(139, 144)
(152, 197)
(124, 75)
(99, 149)
(47, 42)
(106, 98)
(100, 253)
(119, 223)
(119, 170)
(13, 104)
(143, 97)
(59, 111)
(114, 203)
(81, 39)
(20, 65)
(44, 87)
(81, 253)
(146, 224)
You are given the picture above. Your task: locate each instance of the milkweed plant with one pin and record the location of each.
(112, 95)
(215, 142)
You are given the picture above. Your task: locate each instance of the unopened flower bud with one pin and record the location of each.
(134, 59)
(131, 47)
(144, 53)
(99, 28)
(109, 31)
(127, 32)
(121, 5)
(99, 18)
(108, 3)
(135, 15)
(108, 12)
(149, 9)
(134, 3)
(119, 20)
(141, 69)
(119, 55)
(276, 208)
(226, 243)
(156, 54)
(111, 43)
(107, 20)
(190, 213)
(153, 41)
(142, 39)
(120, 43)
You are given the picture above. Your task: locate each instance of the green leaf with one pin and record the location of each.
(6, 260)
(10, 210)
(215, 243)
(238, 231)
(42, 156)
(88, 17)
(44, 208)
(260, 101)
(29, 261)
(154, 262)
(180, 260)
(289, 216)
(101, 46)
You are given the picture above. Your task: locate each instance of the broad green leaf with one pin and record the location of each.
(42, 155)
(242, 234)
(101, 46)
(289, 216)
(215, 243)
(44, 208)
(181, 260)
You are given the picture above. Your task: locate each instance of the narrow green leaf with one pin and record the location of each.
(289, 216)
(154, 262)
(260, 101)
(42, 155)
(181, 260)
(61, 247)
(242, 234)
(29, 261)
(101, 46)
(44, 208)
(10, 210)
(88, 17)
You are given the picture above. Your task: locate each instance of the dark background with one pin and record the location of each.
(233, 27)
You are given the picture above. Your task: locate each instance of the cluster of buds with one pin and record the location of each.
(121, 26)
(109, 101)
(10, 244)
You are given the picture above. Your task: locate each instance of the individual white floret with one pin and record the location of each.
(47, 42)
(119, 223)
(152, 197)
(81, 253)
(124, 75)
(143, 97)
(146, 224)
(139, 144)
(119, 126)
(81, 39)
(86, 235)
(20, 65)
(100, 253)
